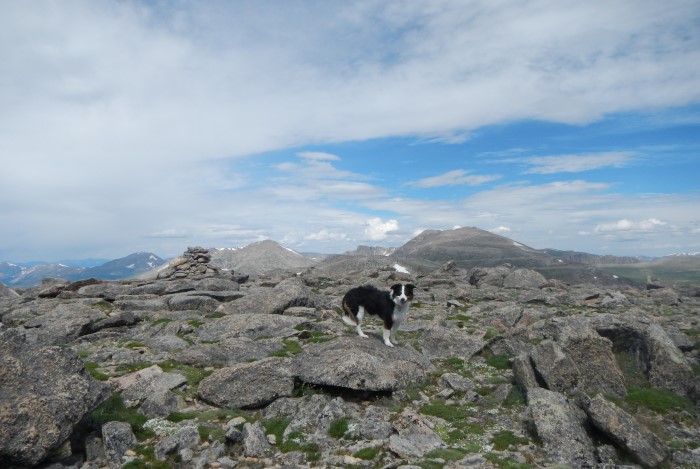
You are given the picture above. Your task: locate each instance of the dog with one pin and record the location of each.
(391, 307)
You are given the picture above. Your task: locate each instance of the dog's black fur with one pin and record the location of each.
(391, 307)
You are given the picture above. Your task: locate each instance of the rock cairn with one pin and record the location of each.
(194, 263)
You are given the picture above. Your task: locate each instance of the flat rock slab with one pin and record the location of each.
(440, 342)
(254, 326)
(363, 364)
(249, 384)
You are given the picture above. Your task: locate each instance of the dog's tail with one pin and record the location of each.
(348, 316)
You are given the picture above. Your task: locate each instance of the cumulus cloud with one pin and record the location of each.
(453, 178)
(377, 230)
(500, 230)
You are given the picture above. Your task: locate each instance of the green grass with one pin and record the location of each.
(195, 322)
(659, 400)
(126, 368)
(220, 415)
(491, 332)
(500, 362)
(114, 409)
(367, 453)
(296, 441)
(291, 348)
(276, 427)
(193, 375)
(504, 439)
(161, 321)
(448, 454)
(105, 306)
(450, 413)
(91, 367)
(339, 427)
(135, 344)
(211, 433)
(514, 398)
(215, 315)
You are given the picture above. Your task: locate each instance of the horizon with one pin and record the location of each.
(144, 126)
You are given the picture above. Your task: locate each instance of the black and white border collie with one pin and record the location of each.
(391, 307)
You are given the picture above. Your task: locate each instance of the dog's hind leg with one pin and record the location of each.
(354, 320)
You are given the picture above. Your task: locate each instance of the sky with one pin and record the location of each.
(130, 126)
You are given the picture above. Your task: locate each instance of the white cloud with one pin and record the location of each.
(318, 156)
(117, 116)
(326, 235)
(377, 230)
(577, 163)
(629, 225)
(455, 177)
(500, 230)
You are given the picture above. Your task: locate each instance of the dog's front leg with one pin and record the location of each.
(392, 334)
(387, 337)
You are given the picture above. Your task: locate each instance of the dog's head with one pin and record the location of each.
(402, 293)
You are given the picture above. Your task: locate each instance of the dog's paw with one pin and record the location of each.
(363, 335)
(389, 344)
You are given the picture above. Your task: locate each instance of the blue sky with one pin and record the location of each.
(153, 126)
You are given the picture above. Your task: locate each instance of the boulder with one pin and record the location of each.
(556, 368)
(441, 342)
(45, 393)
(415, 438)
(362, 364)
(660, 359)
(117, 438)
(255, 442)
(644, 447)
(186, 437)
(227, 352)
(558, 425)
(248, 384)
(594, 358)
(287, 293)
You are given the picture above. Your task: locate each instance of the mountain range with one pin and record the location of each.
(20, 276)
(466, 247)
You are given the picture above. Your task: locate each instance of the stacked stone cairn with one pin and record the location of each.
(194, 263)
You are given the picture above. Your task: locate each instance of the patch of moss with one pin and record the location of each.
(659, 400)
(491, 332)
(450, 413)
(193, 375)
(215, 315)
(135, 344)
(448, 454)
(211, 433)
(276, 427)
(114, 409)
(500, 362)
(291, 348)
(126, 368)
(504, 439)
(430, 464)
(339, 427)
(195, 322)
(515, 397)
(367, 453)
(161, 321)
(91, 367)
(296, 441)
(105, 306)
(219, 415)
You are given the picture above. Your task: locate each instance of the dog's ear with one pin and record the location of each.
(396, 286)
(410, 287)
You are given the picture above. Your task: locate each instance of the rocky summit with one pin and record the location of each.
(200, 367)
